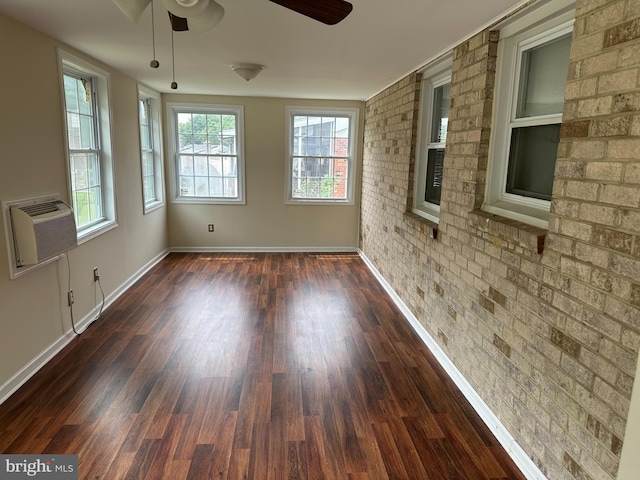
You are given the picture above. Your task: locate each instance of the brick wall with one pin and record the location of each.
(544, 325)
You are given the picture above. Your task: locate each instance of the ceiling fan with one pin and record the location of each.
(202, 15)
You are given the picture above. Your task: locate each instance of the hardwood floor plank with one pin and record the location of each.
(256, 366)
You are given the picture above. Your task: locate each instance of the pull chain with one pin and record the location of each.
(174, 85)
(154, 63)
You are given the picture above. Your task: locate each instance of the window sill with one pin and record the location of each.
(300, 201)
(208, 201)
(96, 231)
(152, 206)
(526, 236)
(422, 224)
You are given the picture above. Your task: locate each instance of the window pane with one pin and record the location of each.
(215, 166)
(185, 166)
(145, 137)
(215, 186)
(319, 178)
(202, 186)
(228, 145)
(187, 188)
(440, 119)
(230, 167)
(201, 166)
(85, 101)
(209, 135)
(543, 76)
(149, 188)
(93, 170)
(435, 166)
(71, 93)
(231, 187)
(73, 131)
(199, 123)
(532, 161)
(87, 136)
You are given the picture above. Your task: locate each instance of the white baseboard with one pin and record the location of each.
(264, 249)
(40, 360)
(529, 469)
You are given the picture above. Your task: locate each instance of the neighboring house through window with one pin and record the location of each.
(434, 120)
(320, 157)
(85, 91)
(207, 152)
(150, 149)
(533, 66)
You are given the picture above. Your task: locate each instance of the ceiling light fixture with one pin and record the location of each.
(248, 71)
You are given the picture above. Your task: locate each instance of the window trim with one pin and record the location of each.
(68, 62)
(173, 108)
(153, 98)
(434, 76)
(353, 114)
(538, 27)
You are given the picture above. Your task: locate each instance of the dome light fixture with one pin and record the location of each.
(247, 71)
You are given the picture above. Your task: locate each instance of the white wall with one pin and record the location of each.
(266, 222)
(33, 308)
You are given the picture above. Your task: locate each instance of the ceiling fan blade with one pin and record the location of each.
(178, 24)
(328, 12)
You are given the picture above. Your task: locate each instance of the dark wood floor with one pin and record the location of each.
(258, 366)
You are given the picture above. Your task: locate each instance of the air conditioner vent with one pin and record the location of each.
(42, 208)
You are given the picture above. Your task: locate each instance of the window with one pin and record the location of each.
(150, 149)
(320, 156)
(85, 91)
(529, 102)
(207, 149)
(434, 119)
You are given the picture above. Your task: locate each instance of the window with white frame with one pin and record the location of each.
(85, 91)
(150, 149)
(434, 120)
(533, 70)
(207, 150)
(320, 155)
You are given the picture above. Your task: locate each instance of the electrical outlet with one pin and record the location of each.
(96, 275)
(211, 227)
(70, 297)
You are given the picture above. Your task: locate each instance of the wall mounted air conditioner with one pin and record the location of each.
(40, 229)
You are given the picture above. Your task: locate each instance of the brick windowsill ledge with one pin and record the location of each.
(521, 234)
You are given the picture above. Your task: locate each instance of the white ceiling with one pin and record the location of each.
(380, 42)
